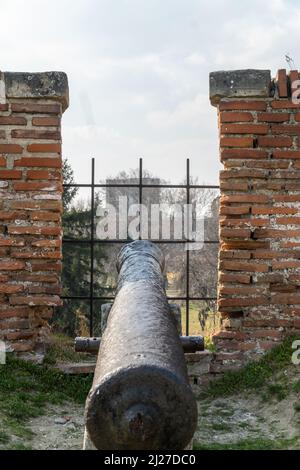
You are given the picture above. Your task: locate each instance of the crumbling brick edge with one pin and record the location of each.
(31, 106)
(259, 256)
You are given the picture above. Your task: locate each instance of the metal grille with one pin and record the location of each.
(187, 298)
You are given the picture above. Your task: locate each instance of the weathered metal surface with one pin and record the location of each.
(105, 309)
(88, 345)
(174, 309)
(88, 445)
(140, 398)
(190, 344)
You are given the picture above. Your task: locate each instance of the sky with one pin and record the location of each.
(138, 72)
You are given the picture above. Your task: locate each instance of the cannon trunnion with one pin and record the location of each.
(140, 397)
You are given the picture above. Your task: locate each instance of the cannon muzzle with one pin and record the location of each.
(140, 397)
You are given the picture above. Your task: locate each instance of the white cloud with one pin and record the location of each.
(138, 71)
(188, 112)
(195, 59)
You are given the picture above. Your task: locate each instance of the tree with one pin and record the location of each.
(69, 193)
(72, 317)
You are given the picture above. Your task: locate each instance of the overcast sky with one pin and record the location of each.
(138, 72)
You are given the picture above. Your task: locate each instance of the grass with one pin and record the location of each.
(19, 446)
(296, 386)
(33, 386)
(26, 389)
(224, 427)
(4, 437)
(61, 349)
(297, 407)
(248, 444)
(272, 378)
(277, 391)
(255, 374)
(209, 344)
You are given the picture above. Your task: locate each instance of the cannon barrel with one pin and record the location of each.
(190, 344)
(140, 398)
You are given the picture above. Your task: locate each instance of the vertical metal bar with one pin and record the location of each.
(187, 305)
(140, 194)
(92, 249)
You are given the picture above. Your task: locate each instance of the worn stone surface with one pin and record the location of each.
(239, 84)
(77, 367)
(2, 89)
(52, 85)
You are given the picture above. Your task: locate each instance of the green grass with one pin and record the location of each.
(26, 389)
(19, 446)
(61, 349)
(208, 343)
(224, 427)
(278, 391)
(249, 444)
(255, 374)
(297, 407)
(296, 386)
(4, 438)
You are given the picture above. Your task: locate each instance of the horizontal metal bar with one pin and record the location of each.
(134, 185)
(91, 345)
(68, 240)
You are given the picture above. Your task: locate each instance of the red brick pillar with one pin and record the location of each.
(259, 280)
(31, 106)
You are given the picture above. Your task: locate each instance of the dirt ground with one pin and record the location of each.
(221, 421)
(62, 427)
(239, 419)
(266, 417)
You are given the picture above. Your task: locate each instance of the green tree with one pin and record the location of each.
(68, 178)
(73, 317)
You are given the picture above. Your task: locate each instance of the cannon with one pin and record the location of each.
(140, 397)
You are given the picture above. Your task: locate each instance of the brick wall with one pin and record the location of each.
(31, 106)
(259, 280)
(259, 259)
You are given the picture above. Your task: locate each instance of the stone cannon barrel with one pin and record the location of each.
(140, 397)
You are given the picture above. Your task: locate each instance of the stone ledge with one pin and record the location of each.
(247, 83)
(47, 85)
(199, 361)
(198, 356)
(76, 368)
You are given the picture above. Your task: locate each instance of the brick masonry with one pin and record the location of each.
(31, 106)
(259, 258)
